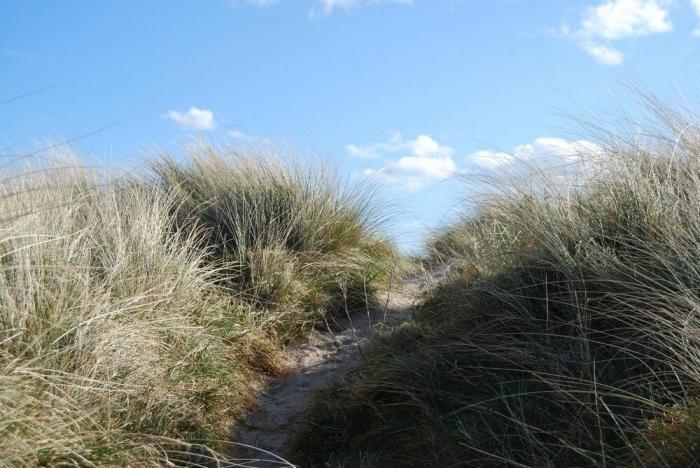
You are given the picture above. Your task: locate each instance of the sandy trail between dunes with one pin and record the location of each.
(315, 364)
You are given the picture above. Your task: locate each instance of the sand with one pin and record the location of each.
(327, 355)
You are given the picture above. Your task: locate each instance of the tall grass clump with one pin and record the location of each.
(138, 315)
(296, 238)
(565, 333)
(114, 343)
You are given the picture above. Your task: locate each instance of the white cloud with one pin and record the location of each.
(545, 165)
(414, 164)
(619, 19)
(193, 119)
(425, 147)
(542, 153)
(695, 4)
(366, 152)
(377, 150)
(327, 7)
(614, 20)
(422, 161)
(239, 137)
(491, 159)
(604, 54)
(557, 149)
(414, 173)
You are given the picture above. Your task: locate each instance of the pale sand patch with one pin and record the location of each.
(327, 355)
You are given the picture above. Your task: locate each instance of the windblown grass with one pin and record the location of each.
(127, 337)
(294, 238)
(566, 332)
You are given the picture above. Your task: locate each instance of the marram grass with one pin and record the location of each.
(565, 333)
(136, 315)
(288, 234)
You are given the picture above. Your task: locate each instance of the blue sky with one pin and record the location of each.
(407, 92)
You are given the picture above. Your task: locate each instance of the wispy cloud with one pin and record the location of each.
(545, 165)
(414, 163)
(542, 153)
(249, 139)
(376, 150)
(695, 4)
(604, 54)
(239, 135)
(619, 19)
(253, 3)
(614, 20)
(193, 119)
(327, 7)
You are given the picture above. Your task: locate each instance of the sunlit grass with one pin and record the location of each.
(288, 234)
(135, 315)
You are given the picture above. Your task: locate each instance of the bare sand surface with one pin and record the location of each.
(326, 356)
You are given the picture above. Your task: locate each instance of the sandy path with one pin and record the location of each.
(316, 363)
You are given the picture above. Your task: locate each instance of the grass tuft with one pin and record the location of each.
(565, 332)
(290, 236)
(137, 316)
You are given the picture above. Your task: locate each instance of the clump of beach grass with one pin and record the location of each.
(565, 333)
(134, 312)
(294, 236)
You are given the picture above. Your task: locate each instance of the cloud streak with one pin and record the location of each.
(542, 152)
(193, 119)
(615, 20)
(695, 5)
